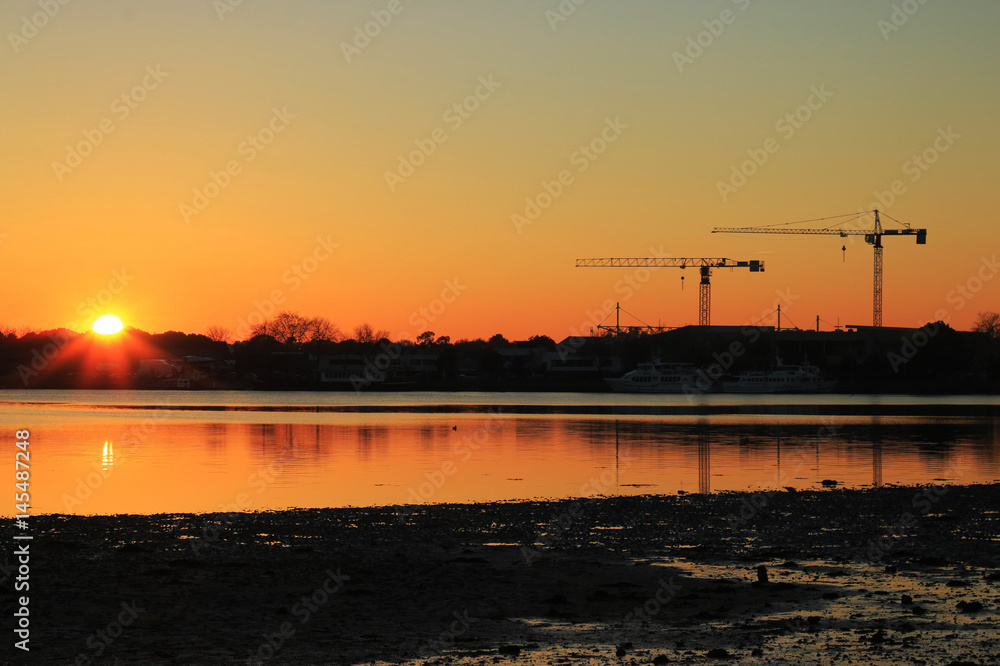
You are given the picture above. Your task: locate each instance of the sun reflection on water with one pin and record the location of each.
(107, 456)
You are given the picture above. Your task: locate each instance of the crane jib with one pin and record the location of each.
(872, 237)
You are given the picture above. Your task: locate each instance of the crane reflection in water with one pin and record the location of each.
(349, 460)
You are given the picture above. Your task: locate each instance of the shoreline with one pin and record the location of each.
(532, 402)
(597, 387)
(530, 582)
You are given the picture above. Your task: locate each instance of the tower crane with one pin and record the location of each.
(704, 265)
(872, 236)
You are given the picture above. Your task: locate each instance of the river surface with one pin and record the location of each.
(107, 452)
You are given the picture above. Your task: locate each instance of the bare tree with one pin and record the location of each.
(989, 323)
(323, 330)
(259, 329)
(291, 327)
(218, 334)
(364, 333)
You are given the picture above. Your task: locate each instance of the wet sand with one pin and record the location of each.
(620, 580)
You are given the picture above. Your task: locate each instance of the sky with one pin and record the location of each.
(440, 165)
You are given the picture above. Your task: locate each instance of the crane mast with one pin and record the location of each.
(872, 236)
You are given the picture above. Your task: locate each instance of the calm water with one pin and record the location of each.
(102, 452)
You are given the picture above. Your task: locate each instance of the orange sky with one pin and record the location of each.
(308, 118)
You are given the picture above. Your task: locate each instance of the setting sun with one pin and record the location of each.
(108, 325)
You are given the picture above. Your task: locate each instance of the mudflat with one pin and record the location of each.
(891, 575)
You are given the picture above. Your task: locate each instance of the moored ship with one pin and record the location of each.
(779, 379)
(656, 377)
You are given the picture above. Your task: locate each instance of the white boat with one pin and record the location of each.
(779, 379)
(656, 377)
